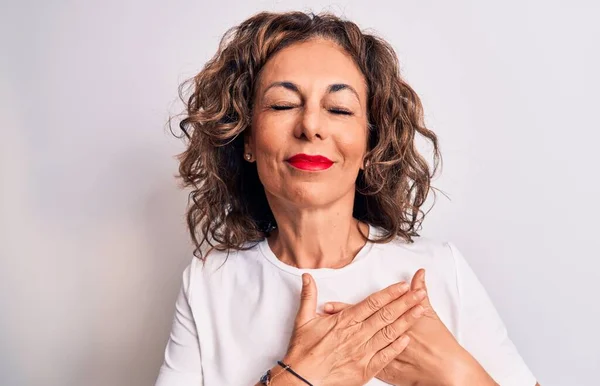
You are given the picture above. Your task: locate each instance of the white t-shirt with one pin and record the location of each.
(234, 322)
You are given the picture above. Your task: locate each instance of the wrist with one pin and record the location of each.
(282, 377)
(304, 367)
(286, 379)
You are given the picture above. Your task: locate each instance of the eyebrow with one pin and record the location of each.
(331, 89)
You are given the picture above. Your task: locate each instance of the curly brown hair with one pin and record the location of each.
(229, 206)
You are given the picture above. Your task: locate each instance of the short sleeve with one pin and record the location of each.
(182, 365)
(482, 332)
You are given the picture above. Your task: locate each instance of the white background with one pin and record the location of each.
(92, 233)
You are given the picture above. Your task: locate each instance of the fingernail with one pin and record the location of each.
(305, 279)
(404, 339)
(418, 311)
(328, 307)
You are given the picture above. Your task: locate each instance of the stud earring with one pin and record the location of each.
(248, 156)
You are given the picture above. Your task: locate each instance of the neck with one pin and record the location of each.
(326, 237)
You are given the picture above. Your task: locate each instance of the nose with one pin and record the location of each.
(312, 123)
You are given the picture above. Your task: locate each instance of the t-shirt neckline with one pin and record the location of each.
(268, 254)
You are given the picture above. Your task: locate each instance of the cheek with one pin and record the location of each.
(353, 145)
(270, 137)
(269, 143)
(268, 149)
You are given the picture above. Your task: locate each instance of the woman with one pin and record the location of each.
(307, 186)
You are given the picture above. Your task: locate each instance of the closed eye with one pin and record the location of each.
(340, 111)
(287, 107)
(281, 107)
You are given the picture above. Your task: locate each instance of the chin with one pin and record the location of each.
(307, 195)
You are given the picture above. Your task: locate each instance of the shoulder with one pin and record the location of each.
(218, 266)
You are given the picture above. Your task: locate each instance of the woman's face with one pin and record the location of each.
(311, 100)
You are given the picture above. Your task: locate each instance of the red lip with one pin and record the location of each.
(310, 162)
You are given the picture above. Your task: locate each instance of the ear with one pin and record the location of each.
(248, 148)
(367, 151)
(364, 164)
(247, 135)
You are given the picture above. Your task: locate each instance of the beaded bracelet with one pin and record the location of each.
(288, 368)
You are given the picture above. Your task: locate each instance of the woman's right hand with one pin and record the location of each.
(352, 346)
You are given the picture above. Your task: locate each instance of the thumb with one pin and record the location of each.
(418, 282)
(308, 301)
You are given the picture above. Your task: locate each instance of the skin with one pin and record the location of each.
(312, 98)
(313, 210)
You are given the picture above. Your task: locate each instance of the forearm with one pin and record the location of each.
(478, 378)
(468, 371)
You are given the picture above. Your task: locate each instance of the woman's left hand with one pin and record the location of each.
(433, 356)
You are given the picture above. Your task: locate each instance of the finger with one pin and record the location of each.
(373, 303)
(308, 301)
(335, 307)
(418, 282)
(387, 355)
(418, 279)
(394, 310)
(393, 331)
